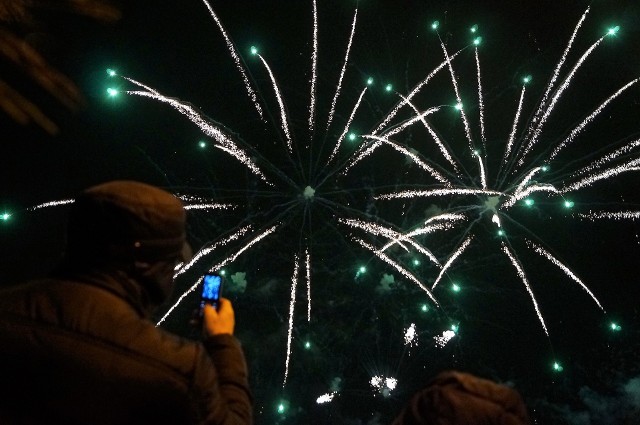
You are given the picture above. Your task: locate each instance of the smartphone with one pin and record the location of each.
(211, 290)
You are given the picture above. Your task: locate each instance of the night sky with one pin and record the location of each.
(357, 324)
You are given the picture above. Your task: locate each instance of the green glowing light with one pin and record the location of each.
(613, 30)
(557, 367)
(111, 72)
(529, 202)
(254, 50)
(527, 79)
(569, 204)
(476, 152)
(5, 216)
(424, 308)
(455, 328)
(474, 28)
(352, 136)
(369, 81)
(455, 287)
(307, 345)
(435, 25)
(501, 232)
(458, 106)
(388, 87)
(223, 272)
(202, 144)
(477, 41)
(281, 408)
(416, 262)
(615, 327)
(545, 168)
(112, 92)
(362, 269)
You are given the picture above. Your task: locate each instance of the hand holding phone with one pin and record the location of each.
(211, 291)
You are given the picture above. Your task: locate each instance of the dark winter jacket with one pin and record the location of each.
(82, 351)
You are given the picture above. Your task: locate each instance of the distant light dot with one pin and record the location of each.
(416, 262)
(455, 287)
(615, 327)
(281, 408)
(435, 25)
(569, 204)
(388, 87)
(474, 28)
(307, 345)
(202, 144)
(458, 106)
(111, 72)
(254, 50)
(424, 308)
(476, 152)
(5, 216)
(545, 168)
(369, 81)
(362, 269)
(477, 41)
(112, 92)
(223, 272)
(527, 79)
(529, 202)
(557, 367)
(353, 136)
(455, 328)
(613, 30)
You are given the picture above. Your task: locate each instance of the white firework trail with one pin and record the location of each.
(217, 266)
(346, 127)
(314, 69)
(608, 158)
(436, 138)
(523, 277)
(342, 73)
(292, 305)
(284, 121)
(236, 58)
(564, 268)
(415, 158)
(451, 260)
(633, 165)
(483, 136)
(437, 192)
(558, 94)
(307, 263)
(556, 71)
(619, 215)
(456, 90)
(396, 237)
(512, 136)
(225, 142)
(206, 251)
(590, 118)
(52, 204)
(398, 267)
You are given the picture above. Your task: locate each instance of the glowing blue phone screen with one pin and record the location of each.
(211, 290)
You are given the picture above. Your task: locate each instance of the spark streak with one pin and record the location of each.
(523, 277)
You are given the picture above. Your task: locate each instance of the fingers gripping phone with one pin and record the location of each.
(211, 290)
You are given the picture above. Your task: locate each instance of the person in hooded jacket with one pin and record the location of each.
(79, 347)
(458, 398)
